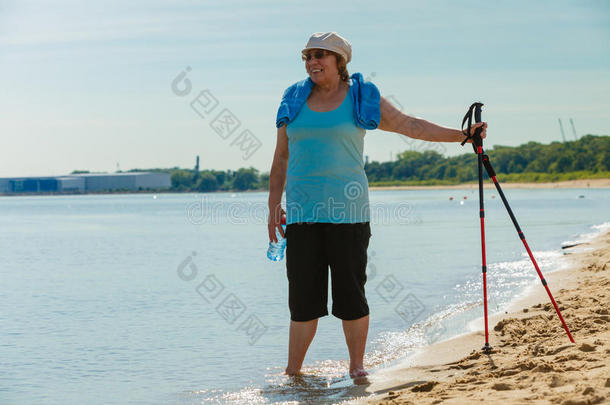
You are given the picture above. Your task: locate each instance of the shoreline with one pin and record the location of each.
(583, 183)
(576, 184)
(532, 359)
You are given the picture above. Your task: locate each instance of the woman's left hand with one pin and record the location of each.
(475, 126)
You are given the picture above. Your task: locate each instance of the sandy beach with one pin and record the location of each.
(585, 183)
(532, 360)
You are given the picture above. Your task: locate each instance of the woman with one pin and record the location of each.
(319, 159)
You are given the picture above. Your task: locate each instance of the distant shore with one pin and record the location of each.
(583, 183)
(532, 359)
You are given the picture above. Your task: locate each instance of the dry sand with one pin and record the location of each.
(532, 360)
(592, 183)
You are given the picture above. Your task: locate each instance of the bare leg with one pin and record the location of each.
(301, 335)
(355, 336)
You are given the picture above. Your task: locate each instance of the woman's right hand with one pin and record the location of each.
(275, 222)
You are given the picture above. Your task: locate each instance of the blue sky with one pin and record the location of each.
(87, 85)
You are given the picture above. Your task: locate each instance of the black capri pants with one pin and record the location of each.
(310, 249)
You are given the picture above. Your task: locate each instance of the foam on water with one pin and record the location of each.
(588, 236)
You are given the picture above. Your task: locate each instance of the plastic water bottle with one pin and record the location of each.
(276, 249)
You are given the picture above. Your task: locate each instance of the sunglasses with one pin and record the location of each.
(319, 54)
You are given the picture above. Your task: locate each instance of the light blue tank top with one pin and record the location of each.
(325, 180)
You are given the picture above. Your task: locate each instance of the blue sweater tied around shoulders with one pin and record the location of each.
(365, 97)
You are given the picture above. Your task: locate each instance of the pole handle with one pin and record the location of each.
(475, 109)
(476, 137)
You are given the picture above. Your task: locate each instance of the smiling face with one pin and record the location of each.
(321, 69)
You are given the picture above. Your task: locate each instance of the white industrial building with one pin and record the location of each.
(71, 184)
(86, 182)
(125, 181)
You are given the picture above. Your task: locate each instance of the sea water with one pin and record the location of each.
(170, 298)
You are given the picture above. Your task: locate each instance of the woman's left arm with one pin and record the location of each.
(394, 120)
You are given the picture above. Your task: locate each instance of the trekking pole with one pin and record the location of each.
(477, 145)
(492, 174)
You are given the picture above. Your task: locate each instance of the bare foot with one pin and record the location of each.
(358, 372)
(293, 373)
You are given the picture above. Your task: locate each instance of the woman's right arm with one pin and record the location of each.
(277, 182)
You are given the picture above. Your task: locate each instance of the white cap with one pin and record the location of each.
(331, 41)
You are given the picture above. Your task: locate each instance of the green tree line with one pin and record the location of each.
(214, 180)
(218, 180)
(585, 158)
